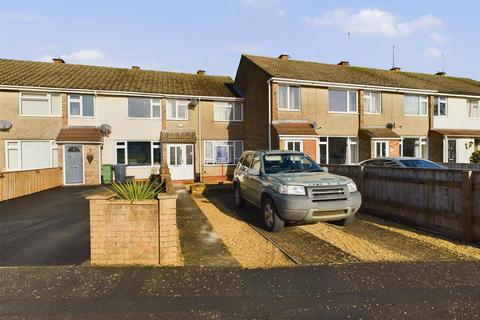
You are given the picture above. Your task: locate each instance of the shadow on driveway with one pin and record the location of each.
(46, 228)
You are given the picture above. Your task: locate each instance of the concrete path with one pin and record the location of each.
(46, 228)
(200, 245)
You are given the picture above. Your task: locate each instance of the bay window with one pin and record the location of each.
(138, 153)
(177, 109)
(81, 106)
(342, 101)
(372, 102)
(228, 111)
(288, 98)
(40, 104)
(144, 108)
(473, 111)
(440, 107)
(34, 154)
(223, 152)
(415, 105)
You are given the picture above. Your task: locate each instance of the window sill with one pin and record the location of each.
(343, 112)
(237, 121)
(38, 116)
(82, 117)
(169, 119)
(416, 115)
(290, 110)
(135, 118)
(372, 114)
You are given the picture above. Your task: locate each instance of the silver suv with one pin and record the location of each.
(289, 186)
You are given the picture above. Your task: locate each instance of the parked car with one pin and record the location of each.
(401, 162)
(289, 186)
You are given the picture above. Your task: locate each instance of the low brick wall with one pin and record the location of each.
(133, 233)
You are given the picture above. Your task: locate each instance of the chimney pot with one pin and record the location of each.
(201, 72)
(440, 73)
(344, 63)
(135, 68)
(58, 60)
(396, 69)
(284, 56)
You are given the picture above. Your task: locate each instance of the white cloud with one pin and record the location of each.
(87, 55)
(254, 48)
(281, 13)
(16, 16)
(432, 53)
(373, 22)
(437, 37)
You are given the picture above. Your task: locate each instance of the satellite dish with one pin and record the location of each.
(390, 125)
(105, 129)
(314, 125)
(5, 125)
(194, 102)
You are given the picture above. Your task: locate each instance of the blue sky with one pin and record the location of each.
(211, 34)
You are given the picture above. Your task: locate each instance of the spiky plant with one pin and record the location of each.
(135, 191)
(475, 157)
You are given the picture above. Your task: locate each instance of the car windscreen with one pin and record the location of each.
(416, 163)
(276, 163)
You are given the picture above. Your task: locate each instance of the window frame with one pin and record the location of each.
(219, 104)
(387, 147)
(153, 145)
(421, 141)
(437, 101)
(53, 146)
(70, 115)
(421, 98)
(49, 99)
(289, 108)
(470, 103)
(152, 104)
(221, 142)
(176, 110)
(287, 141)
(351, 140)
(370, 104)
(347, 91)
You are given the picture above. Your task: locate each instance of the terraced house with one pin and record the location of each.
(343, 114)
(77, 117)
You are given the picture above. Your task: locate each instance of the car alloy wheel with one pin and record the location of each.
(268, 215)
(236, 196)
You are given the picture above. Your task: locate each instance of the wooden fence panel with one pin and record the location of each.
(476, 204)
(20, 183)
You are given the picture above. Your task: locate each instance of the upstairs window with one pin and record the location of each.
(177, 110)
(81, 106)
(342, 101)
(473, 111)
(416, 105)
(289, 98)
(228, 111)
(40, 104)
(144, 108)
(440, 107)
(372, 102)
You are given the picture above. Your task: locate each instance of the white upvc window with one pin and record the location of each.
(373, 103)
(415, 105)
(294, 145)
(81, 106)
(144, 108)
(440, 107)
(414, 147)
(35, 104)
(473, 109)
(138, 153)
(222, 152)
(342, 101)
(228, 111)
(30, 154)
(288, 98)
(177, 109)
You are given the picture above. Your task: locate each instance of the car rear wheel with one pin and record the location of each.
(237, 196)
(271, 220)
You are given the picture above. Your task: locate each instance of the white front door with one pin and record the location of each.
(381, 149)
(180, 161)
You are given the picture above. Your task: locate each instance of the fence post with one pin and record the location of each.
(467, 206)
(361, 180)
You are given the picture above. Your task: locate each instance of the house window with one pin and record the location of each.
(342, 101)
(381, 149)
(228, 111)
(288, 98)
(144, 108)
(415, 147)
(372, 102)
(440, 107)
(138, 153)
(473, 111)
(223, 152)
(177, 110)
(40, 104)
(338, 150)
(81, 106)
(294, 145)
(416, 105)
(26, 155)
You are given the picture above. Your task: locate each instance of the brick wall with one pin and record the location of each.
(394, 148)
(92, 169)
(310, 148)
(126, 233)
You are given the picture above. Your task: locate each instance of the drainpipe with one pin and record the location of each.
(269, 83)
(200, 157)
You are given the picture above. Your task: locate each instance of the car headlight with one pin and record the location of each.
(294, 190)
(352, 187)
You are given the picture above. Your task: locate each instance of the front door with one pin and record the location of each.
(381, 149)
(73, 164)
(180, 161)
(452, 151)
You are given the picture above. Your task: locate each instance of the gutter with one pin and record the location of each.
(269, 83)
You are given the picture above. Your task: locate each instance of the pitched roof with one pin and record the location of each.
(459, 133)
(75, 76)
(314, 71)
(378, 133)
(79, 134)
(294, 129)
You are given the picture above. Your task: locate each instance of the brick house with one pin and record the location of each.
(344, 114)
(193, 122)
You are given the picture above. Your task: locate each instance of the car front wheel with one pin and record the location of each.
(237, 196)
(271, 220)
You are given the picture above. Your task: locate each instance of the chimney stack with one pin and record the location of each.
(135, 68)
(58, 60)
(284, 56)
(441, 73)
(344, 63)
(201, 72)
(396, 69)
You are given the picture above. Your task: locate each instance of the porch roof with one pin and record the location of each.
(465, 133)
(79, 135)
(378, 133)
(294, 129)
(178, 136)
